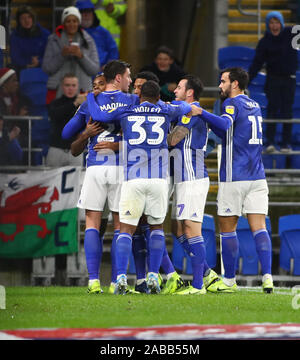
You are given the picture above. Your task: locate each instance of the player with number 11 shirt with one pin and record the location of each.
(243, 188)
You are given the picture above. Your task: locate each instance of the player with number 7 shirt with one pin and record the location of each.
(243, 188)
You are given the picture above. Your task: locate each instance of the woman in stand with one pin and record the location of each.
(70, 50)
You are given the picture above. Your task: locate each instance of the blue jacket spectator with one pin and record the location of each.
(106, 45)
(28, 41)
(275, 51)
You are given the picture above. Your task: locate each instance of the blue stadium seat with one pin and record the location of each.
(235, 56)
(247, 247)
(296, 106)
(289, 233)
(33, 84)
(274, 161)
(296, 134)
(258, 83)
(295, 159)
(208, 232)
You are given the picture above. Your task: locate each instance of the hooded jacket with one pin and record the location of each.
(56, 65)
(24, 44)
(106, 45)
(275, 52)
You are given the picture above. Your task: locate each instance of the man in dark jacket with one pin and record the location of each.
(276, 52)
(61, 110)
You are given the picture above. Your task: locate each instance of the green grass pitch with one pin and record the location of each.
(72, 307)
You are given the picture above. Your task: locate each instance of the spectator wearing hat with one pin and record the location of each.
(70, 49)
(28, 41)
(106, 45)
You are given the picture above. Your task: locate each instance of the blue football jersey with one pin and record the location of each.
(145, 127)
(107, 101)
(242, 142)
(189, 153)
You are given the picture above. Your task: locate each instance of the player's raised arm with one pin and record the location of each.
(222, 122)
(179, 108)
(97, 114)
(76, 124)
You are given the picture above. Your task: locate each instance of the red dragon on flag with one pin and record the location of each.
(23, 209)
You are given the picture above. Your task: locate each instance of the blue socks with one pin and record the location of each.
(195, 248)
(93, 252)
(197, 254)
(230, 251)
(166, 263)
(185, 244)
(139, 250)
(123, 250)
(264, 250)
(156, 248)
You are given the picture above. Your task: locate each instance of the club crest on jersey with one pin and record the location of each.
(229, 109)
(185, 120)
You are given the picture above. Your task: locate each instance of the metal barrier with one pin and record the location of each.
(247, 13)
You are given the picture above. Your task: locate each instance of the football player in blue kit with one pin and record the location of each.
(145, 163)
(243, 188)
(103, 178)
(189, 141)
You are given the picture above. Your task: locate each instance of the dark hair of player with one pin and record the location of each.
(194, 83)
(113, 68)
(147, 75)
(150, 90)
(238, 74)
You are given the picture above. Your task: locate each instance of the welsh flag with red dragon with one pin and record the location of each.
(38, 213)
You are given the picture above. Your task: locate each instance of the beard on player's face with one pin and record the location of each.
(224, 94)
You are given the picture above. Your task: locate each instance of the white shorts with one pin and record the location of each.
(189, 200)
(101, 183)
(144, 196)
(243, 197)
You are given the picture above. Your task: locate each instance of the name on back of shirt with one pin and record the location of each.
(111, 106)
(252, 104)
(147, 109)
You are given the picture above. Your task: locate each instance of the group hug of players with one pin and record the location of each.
(161, 155)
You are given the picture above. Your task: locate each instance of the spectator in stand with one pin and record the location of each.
(106, 45)
(11, 152)
(61, 110)
(167, 70)
(12, 103)
(70, 50)
(275, 50)
(110, 13)
(28, 41)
